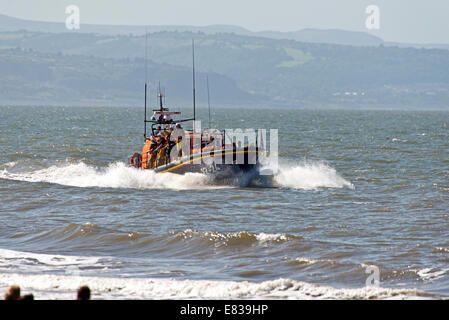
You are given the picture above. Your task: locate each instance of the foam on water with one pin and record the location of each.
(45, 283)
(310, 176)
(35, 263)
(431, 274)
(305, 176)
(64, 287)
(115, 175)
(237, 238)
(47, 259)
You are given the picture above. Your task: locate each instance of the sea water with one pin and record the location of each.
(357, 196)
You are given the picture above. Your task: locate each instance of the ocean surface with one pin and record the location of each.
(357, 194)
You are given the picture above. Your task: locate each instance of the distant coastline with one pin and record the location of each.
(245, 68)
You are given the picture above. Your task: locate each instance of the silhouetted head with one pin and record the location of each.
(13, 293)
(83, 293)
(27, 297)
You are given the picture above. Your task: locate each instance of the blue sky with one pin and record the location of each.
(414, 21)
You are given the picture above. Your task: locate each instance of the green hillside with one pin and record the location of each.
(28, 76)
(261, 70)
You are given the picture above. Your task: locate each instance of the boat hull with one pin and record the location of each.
(218, 163)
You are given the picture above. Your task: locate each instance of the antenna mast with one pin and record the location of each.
(160, 97)
(208, 97)
(146, 54)
(193, 69)
(145, 115)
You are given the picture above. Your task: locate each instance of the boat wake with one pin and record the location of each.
(302, 176)
(115, 175)
(310, 176)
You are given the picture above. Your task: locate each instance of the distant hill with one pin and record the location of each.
(8, 23)
(241, 69)
(28, 76)
(283, 68)
(333, 36)
(306, 35)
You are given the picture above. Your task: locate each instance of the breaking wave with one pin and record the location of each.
(64, 287)
(55, 276)
(69, 272)
(90, 235)
(235, 238)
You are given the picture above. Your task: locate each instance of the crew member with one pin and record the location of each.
(177, 137)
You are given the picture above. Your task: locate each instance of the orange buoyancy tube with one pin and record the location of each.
(146, 154)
